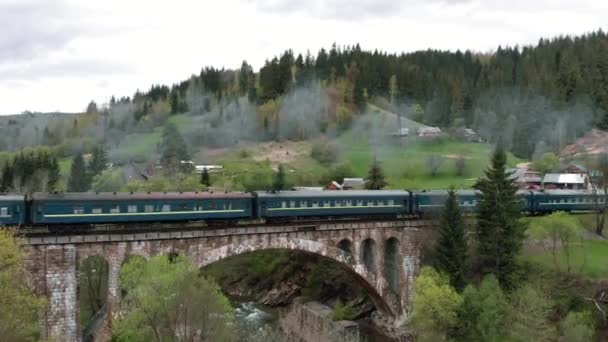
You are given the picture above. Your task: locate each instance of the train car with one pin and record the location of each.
(566, 200)
(12, 210)
(287, 204)
(433, 201)
(91, 208)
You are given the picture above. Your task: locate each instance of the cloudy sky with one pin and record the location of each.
(60, 54)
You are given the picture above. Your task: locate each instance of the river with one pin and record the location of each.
(260, 323)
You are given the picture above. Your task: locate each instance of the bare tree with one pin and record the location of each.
(461, 165)
(434, 163)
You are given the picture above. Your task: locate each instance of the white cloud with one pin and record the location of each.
(58, 55)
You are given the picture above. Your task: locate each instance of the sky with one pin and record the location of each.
(57, 55)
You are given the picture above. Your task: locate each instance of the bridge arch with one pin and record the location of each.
(344, 259)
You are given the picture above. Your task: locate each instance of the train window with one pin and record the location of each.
(166, 208)
(349, 203)
(78, 210)
(391, 202)
(370, 203)
(326, 203)
(115, 209)
(283, 204)
(148, 208)
(315, 204)
(230, 206)
(4, 211)
(132, 209)
(303, 204)
(360, 202)
(96, 211)
(292, 204)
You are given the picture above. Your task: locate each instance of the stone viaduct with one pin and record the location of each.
(383, 255)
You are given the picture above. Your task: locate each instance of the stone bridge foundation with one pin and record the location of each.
(373, 251)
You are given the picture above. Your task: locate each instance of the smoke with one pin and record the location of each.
(529, 124)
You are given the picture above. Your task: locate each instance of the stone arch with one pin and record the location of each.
(202, 259)
(347, 247)
(122, 291)
(368, 255)
(93, 287)
(391, 263)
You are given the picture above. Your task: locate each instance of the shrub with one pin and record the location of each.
(324, 152)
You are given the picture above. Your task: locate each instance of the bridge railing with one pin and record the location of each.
(88, 332)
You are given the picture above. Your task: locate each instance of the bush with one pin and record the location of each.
(344, 312)
(324, 152)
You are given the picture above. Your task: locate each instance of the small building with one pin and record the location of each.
(403, 132)
(429, 132)
(353, 184)
(470, 135)
(526, 179)
(210, 168)
(572, 181)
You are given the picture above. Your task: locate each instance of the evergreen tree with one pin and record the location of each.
(498, 232)
(79, 180)
(279, 180)
(173, 148)
(6, 184)
(375, 177)
(451, 246)
(98, 161)
(205, 178)
(53, 175)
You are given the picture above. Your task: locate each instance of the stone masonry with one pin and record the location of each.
(53, 262)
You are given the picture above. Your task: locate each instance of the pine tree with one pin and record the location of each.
(205, 178)
(279, 180)
(79, 180)
(173, 148)
(451, 246)
(375, 177)
(54, 174)
(98, 162)
(498, 232)
(6, 183)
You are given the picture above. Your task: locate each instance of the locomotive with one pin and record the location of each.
(100, 208)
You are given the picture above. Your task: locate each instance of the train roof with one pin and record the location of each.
(109, 196)
(331, 193)
(11, 197)
(445, 192)
(568, 192)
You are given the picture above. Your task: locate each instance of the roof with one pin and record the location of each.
(445, 192)
(578, 166)
(564, 178)
(524, 175)
(568, 192)
(11, 197)
(109, 196)
(345, 193)
(353, 181)
(429, 130)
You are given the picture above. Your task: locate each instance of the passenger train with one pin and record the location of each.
(67, 209)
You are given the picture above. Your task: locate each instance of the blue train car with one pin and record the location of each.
(566, 200)
(526, 198)
(84, 208)
(332, 203)
(12, 210)
(433, 201)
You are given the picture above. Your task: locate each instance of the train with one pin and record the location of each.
(69, 209)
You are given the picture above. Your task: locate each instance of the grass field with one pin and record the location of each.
(588, 258)
(406, 166)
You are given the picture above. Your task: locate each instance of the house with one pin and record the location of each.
(572, 181)
(470, 135)
(353, 184)
(429, 132)
(403, 132)
(526, 179)
(210, 168)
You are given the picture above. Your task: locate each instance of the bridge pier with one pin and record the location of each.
(53, 262)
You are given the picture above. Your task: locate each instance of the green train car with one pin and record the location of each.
(286, 204)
